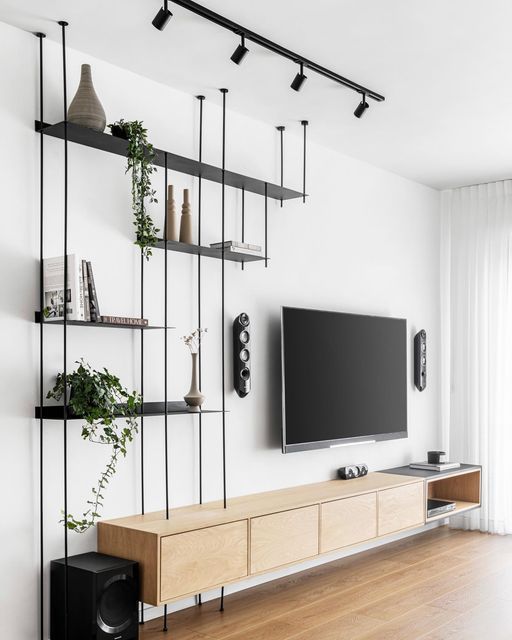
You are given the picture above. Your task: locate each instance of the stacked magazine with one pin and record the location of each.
(233, 246)
(81, 297)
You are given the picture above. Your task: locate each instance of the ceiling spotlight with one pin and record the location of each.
(361, 107)
(162, 17)
(240, 52)
(299, 79)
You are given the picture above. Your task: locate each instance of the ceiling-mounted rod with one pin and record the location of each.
(221, 21)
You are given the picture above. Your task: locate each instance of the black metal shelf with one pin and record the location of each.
(111, 144)
(174, 408)
(209, 252)
(98, 325)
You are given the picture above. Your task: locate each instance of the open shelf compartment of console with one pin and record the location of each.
(463, 488)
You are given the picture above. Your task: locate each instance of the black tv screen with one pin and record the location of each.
(344, 378)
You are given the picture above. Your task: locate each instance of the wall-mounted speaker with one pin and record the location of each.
(420, 360)
(242, 355)
(102, 598)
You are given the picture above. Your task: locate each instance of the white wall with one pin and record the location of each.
(366, 241)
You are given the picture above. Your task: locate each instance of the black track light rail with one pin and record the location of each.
(239, 30)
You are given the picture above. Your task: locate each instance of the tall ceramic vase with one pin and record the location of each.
(194, 397)
(85, 108)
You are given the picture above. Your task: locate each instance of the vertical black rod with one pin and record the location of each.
(243, 221)
(281, 131)
(224, 92)
(165, 350)
(63, 25)
(221, 608)
(142, 507)
(199, 319)
(41, 338)
(266, 225)
(166, 441)
(304, 123)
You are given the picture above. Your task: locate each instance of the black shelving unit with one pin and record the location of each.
(209, 252)
(118, 146)
(69, 132)
(174, 408)
(97, 325)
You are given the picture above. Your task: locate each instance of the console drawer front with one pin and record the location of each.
(401, 508)
(197, 560)
(348, 521)
(283, 538)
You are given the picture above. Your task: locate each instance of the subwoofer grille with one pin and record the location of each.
(115, 606)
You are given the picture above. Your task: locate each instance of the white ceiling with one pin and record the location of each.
(443, 65)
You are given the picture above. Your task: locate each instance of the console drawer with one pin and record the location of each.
(348, 521)
(401, 508)
(282, 538)
(198, 560)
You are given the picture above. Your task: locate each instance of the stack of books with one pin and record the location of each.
(233, 246)
(439, 466)
(81, 297)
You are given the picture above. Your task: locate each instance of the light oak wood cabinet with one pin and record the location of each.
(401, 508)
(205, 546)
(282, 538)
(201, 559)
(349, 521)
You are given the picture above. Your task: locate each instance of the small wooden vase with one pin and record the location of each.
(85, 108)
(172, 218)
(186, 219)
(194, 398)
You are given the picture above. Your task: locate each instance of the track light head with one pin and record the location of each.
(162, 17)
(299, 79)
(361, 107)
(240, 52)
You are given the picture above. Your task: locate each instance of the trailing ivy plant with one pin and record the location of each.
(99, 398)
(140, 156)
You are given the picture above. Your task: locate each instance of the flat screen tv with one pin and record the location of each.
(344, 378)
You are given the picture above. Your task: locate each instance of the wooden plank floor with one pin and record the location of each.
(439, 585)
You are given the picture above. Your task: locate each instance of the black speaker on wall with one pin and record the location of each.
(420, 360)
(103, 595)
(242, 355)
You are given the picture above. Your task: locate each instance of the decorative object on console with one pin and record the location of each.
(194, 398)
(99, 398)
(171, 227)
(420, 360)
(434, 457)
(102, 595)
(430, 466)
(437, 507)
(140, 156)
(241, 355)
(85, 108)
(353, 471)
(186, 219)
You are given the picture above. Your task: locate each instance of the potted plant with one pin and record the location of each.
(140, 157)
(98, 398)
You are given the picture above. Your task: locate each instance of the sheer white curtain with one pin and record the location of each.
(476, 276)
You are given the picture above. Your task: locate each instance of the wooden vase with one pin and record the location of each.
(171, 228)
(186, 219)
(85, 108)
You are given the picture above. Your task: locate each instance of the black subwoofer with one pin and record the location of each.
(103, 595)
(242, 354)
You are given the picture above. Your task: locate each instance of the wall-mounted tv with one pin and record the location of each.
(344, 378)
